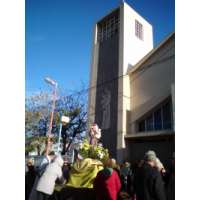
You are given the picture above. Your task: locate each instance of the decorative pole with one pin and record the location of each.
(48, 80)
(65, 120)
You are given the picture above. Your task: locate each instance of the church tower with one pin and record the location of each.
(120, 40)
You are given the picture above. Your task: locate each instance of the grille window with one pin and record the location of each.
(139, 30)
(109, 28)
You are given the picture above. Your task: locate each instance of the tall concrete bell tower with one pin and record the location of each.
(120, 40)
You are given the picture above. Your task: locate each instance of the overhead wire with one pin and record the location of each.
(128, 74)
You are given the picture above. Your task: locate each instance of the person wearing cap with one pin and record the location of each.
(147, 182)
(170, 193)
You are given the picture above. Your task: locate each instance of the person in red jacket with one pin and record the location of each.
(107, 183)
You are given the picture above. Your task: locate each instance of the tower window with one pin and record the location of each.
(139, 30)
(109, 28)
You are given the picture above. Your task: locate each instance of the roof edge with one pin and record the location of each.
(145, 58)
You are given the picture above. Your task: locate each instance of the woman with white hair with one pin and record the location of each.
(164, 172)
(116, 168)
(159, 165)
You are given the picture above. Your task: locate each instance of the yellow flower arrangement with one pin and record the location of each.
(88, 151)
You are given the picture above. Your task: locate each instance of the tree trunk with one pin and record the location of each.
(45, 130)
(38, 149)
(68, 146)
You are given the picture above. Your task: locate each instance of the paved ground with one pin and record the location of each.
(71, 193)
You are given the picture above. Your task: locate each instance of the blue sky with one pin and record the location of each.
(58, 35)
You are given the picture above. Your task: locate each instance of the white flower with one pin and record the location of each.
(100, 145)
(80, 156)
(81, 145)
(100, 155)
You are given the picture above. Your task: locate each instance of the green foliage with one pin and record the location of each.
(29, 146)
(32, 143)
(88, 151)
(38, 108)
(29, 149)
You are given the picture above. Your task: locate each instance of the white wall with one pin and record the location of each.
(152, 86)
(131, 51)
(134, 48)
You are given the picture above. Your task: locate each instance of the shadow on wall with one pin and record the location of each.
(129, 67)
(163, 149)
(127, 122)
(124, 153)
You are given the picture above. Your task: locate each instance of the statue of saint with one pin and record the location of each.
(95, 135)
(105, 105)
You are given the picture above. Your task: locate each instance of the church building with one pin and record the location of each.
(132, 87)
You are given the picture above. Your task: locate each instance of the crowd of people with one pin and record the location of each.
(146, 179)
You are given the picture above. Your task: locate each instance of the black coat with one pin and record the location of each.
(171, 187)
(148, 183)
(66, 169)
(29, 178)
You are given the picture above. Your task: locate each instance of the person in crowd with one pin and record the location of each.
(165, 177)
(138, 164)
(45, 186)
(147, 181)
(29, 177)
(126, 175)
(158, 165)
(45, 161)
(116, 167)
(113, 160)
(107, 184)
(135, 165)
(171, 184)
(66, 168)
(164, 172)
(33, 164)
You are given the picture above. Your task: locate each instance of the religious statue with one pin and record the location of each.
(105, 105)
(95, 135)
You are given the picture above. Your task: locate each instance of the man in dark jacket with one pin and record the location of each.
(147, 182)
